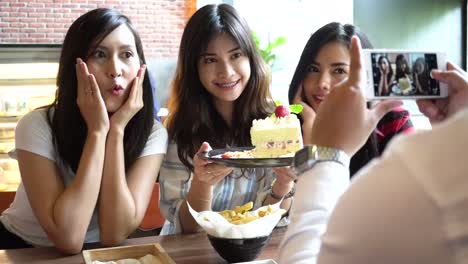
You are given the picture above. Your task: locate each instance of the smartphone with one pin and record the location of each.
(403, 74)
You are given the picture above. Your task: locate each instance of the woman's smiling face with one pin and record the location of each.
(224, 69)
(330, 67)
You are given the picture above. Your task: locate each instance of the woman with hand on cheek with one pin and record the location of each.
(89, 160)
(221, 86)
(420, 76)
(324, 63)
(385, 75)
(417, 226)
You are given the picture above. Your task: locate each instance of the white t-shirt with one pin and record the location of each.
(34, 134)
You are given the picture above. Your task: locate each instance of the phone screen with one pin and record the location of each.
(404, 74)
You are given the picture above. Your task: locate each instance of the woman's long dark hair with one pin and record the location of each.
(422, 77)
(334, 32)
(400, 73)
(68, 126)
(390, 70)
(192, 116)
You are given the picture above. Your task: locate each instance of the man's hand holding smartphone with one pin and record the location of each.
(439, 109)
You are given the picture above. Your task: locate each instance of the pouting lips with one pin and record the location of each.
(318, 98)
(227, 85)
(117, 90)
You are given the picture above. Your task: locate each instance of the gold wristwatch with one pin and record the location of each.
(307, 157)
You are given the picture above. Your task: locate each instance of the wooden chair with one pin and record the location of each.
(153, 218)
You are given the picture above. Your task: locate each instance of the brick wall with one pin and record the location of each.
(159, 22)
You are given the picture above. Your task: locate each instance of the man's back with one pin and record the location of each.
(409, 207)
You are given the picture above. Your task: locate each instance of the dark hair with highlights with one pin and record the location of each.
(64, 117)
(192, 116)
(400, 72)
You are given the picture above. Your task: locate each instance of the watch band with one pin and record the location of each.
(288, 195)
(310, 155)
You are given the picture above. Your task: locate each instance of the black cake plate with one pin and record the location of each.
(215, 156)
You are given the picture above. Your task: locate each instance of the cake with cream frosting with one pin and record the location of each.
(276, 136)
(405, 85)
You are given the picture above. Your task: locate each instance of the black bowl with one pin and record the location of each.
(239, 250)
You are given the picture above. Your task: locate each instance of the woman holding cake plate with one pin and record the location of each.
(221, 85)
(323, 64)
(402, 81)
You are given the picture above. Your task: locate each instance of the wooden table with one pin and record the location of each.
(193, 248)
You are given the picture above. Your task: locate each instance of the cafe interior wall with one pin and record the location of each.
(415, 24)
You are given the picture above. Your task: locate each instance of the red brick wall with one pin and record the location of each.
(159, 22)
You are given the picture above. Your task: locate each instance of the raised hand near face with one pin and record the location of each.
(343, 121)
(132, 105)
(384, 71)
(89, 99)
(307, 114)
(206, 171)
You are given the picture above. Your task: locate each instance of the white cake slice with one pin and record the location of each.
(276, 136)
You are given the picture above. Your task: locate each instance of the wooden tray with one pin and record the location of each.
(117, 253)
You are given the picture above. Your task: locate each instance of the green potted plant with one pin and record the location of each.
(267, 53)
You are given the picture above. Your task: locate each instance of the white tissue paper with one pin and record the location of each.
(216, 225)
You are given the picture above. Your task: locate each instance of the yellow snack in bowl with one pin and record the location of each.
(241, 215)
(267, 211)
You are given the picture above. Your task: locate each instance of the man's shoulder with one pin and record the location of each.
(434, 157)
(450, 134)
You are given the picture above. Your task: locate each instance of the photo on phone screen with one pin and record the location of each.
(400, 74)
